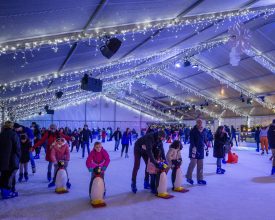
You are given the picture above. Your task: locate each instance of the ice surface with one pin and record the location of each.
(246, 191)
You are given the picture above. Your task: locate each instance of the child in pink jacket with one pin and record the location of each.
(97, 158)
(59, 152)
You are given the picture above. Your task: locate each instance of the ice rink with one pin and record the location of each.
(245, 191)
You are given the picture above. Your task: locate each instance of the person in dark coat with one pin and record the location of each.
(257, 138)
(26, 147)
(20, 129)
(233, 135)
(271, 142)
(117, 135)
(85, 135)
(196, 153)
(75, 140)
(9, 160)
(219, 151)
(125, 141)
(143, 149)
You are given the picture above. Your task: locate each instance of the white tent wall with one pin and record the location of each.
(99, 113)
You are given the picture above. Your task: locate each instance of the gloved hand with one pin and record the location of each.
(162, 165)
(97, 170)
(91, 170)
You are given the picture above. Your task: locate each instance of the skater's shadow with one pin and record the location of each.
(211, 164)
(62, 209)
(263, 179)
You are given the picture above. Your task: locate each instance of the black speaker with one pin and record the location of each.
(110, 48)
(58, 94)
(91, 84)
(186, 63)
(50, 112)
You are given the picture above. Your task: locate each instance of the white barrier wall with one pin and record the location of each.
(100, 113)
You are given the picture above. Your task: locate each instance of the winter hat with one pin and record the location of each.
(16, 125)
(273, 122)
(8, 124)
(161, 133)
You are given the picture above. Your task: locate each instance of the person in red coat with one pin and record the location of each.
(50, 136)
(60, 152)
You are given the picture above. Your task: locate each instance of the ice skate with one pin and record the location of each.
(134, 187)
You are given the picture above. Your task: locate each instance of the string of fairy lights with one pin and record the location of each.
(175, 25)
(228, 83)
(42, 79)
(178, 83)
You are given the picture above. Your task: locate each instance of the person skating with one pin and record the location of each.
(85, 135)
(20, 129)
(125, 141)
(154, 168)
(271, 141)
(10, 153)
(174, 160)
(219, 152)
(97, 163)
(117, 135)
(143, 149)
(50, 136)
(196, 153)
(75, 140)
(60, 152)
(26, 147)
(264, 139)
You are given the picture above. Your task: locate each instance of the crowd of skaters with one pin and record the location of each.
(17, 143)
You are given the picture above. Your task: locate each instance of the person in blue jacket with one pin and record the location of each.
(125, 141)
(196, 153)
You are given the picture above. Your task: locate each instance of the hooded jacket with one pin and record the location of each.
(60, 150)
(96, 159)
(271, 136)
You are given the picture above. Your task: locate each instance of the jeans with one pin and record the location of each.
(123, 147)
(23, 167)
(83, 145)
(192, 164)
(32, 160)
(116, 145)
(219, 162)
(50, 165)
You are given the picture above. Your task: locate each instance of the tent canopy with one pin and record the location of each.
(173, 62)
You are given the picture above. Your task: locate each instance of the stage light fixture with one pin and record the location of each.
(111, 47)
(186, 63)
(58, 94)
